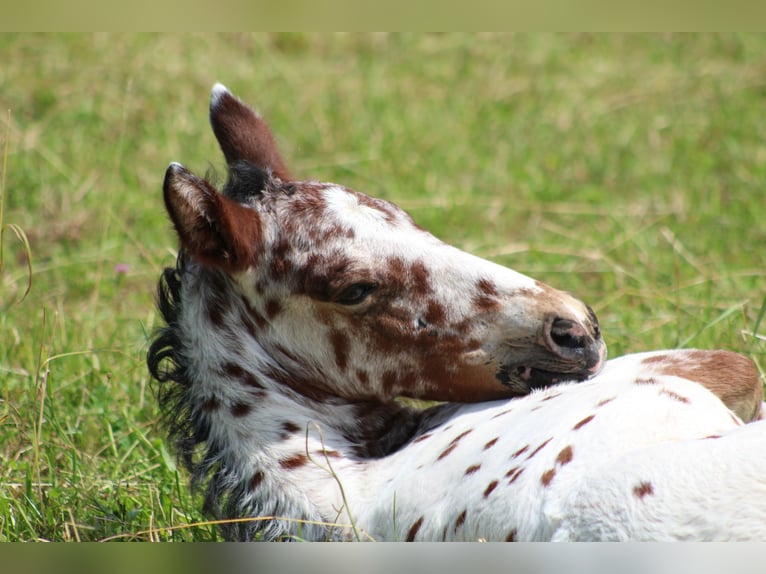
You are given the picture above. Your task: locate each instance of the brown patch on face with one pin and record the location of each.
(340, 347)
(240, 409)
(490, 487)
(643, 489)
(414, 529)
(471, 469)
(675, 396)
(294, 461)
(583, 422)
(490, 443)
(565, 456)
(548, 476)
(435, 313)
(485, 298)
(538, 449)
(511, 536)
(420, 279)
(732, 377)
(362, 377)
(281, 265)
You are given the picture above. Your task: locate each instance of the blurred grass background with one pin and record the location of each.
(626, 169)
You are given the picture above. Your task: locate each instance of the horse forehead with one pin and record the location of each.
(359, 211)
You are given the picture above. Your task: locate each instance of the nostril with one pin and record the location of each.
(568, 334)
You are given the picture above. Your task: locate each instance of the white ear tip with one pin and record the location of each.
(218, 92)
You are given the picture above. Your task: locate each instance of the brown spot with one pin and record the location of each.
(362, 377)
(486, 287)
(603, 402)
(490, 487)
(547, 476)
(460, 519)
(511, 536)
(513, 474)
(446, 451)
(340, 345)
(645, 381)
(240, 409)
(294, 461)
(252, 320)
(501, 413)
(234, 371)
(552, 396)
(414, 529)
(419, 274)
(273, 308)
(490, 443)
(435, 313)
(289, 429)
(211, 404)
(256, 480)
(453, 444)
(538, 449)
(422, 437)
(330, 453)
(583, 422)
(215, 311)
(389, 381)
(675, 396)
(713, 436)
(486, 298)
(471, 469)
(521, 451)
(643, 489)
(565, 456)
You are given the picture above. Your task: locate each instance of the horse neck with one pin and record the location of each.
(268, 449)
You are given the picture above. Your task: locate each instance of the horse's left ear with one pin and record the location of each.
(243, 134)
(213, 229)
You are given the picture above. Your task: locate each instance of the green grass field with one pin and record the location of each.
(626, 169)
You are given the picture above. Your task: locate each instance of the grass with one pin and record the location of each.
(627, 169)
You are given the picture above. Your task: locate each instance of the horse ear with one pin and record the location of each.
(243, 134)
(215, 230)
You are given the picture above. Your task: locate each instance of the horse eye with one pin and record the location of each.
(356, 293)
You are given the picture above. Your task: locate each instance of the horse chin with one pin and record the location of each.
(523, 379)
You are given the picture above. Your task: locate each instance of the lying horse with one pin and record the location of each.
(299, 311)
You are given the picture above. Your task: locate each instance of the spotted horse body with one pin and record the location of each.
(299, 311)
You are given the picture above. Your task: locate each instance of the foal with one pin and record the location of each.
(298, 312)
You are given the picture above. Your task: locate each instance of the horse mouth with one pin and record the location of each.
(523, 378)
